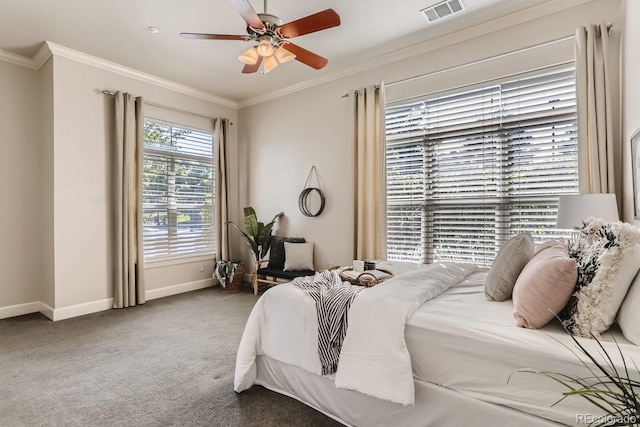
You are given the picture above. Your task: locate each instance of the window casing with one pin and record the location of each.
(177, 191)
(468, 169)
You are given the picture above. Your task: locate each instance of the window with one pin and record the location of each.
(468, 169)
(177, 191)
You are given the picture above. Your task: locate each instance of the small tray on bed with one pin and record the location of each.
(365, 278)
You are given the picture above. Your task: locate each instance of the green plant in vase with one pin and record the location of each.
(257, 234)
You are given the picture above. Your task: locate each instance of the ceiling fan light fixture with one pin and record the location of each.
(265, 49)
(270, 63)
(249, 57)
(284, 55)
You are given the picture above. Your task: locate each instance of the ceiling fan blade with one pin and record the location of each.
(244, 8)
(214, 36)
(248, 69)
(328, 18)
(306, 57)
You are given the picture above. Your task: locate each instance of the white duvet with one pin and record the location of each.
(374, 359)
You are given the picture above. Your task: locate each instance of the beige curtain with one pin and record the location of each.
(596, 147)
(221, 132)
(129, 136)
(370, 195)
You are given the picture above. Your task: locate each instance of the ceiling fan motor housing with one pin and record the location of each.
(270, 20)
(270, 31)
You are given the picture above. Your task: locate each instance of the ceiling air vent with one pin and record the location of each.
(442, 9)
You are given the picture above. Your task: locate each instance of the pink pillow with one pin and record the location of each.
(544, 286)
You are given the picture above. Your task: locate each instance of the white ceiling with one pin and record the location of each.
(116, 30)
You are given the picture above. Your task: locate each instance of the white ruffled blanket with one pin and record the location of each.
(374, 359)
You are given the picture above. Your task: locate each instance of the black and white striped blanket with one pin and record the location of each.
(333, 298)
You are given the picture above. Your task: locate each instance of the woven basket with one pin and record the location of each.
(365, 278)
(236, 284)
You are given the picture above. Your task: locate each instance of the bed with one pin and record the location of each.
(466, 355)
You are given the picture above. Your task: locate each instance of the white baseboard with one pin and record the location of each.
(178, 289)
(81, 309)
(20, 309)
(96, 306)
(46, 310)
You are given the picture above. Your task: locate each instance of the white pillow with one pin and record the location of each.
(608, 256)
(629, 313)
(298, 256)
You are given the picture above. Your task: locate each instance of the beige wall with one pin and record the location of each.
(284, 137)
(55, 252)
(630, 92)
(20, 191)
(82, 201)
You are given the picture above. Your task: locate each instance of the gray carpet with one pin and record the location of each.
(168, 362)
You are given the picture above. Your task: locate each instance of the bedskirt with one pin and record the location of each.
(436, 406)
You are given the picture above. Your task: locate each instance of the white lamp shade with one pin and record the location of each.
(265, 49)
(270, 63)
(249, 57)
(284, 55)
(574, 209)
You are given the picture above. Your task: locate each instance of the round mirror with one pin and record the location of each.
(311, 201)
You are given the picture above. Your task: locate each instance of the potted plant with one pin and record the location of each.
(258, 234)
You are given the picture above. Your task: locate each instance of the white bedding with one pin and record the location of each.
(284, 326)
(464, 342)
(374, 359)
(458, 340)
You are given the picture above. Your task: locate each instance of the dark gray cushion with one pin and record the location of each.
(276, 251)
(289, 275)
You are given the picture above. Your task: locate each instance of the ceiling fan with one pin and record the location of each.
(273, 37)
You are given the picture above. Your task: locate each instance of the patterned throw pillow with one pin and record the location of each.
(276, 251)
(608, 257)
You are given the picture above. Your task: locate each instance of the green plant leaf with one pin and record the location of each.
(257, 235)
(251, 221)
(265, 235)
(610, 389)
(248, 239)
(260, 234)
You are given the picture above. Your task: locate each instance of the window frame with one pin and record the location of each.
(422, 206)
(174, 158)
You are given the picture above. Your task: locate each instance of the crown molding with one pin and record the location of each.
(49, 49)
(103, 64)
(459, 36)
(16, 59)
(39, 59)
(42, 55)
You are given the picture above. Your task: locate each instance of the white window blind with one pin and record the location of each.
(178, 191)
(468, 169)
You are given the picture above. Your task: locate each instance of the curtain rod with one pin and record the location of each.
(479, 61)
(355, 92)
(166, 107)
